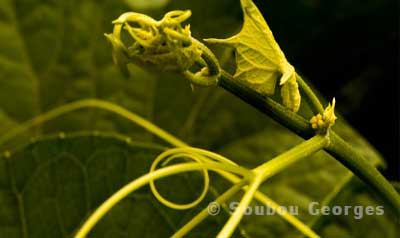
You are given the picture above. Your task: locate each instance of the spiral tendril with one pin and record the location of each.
(196, 155)
(165, 44)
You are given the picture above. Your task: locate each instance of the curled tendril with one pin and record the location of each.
(196, 155)
(165, 44)
(169, 158)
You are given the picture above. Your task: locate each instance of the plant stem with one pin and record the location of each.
(267, 170)
(317, 220)
(291, 156)
(267, 106)
(107, 106)
(262, 172)
(208, 57)
(204, 213)
(303, 228)
(338, 148)
(265, 200)
(361, 167)
(310, 96)
(140, 182)
(91, 103)
(237, 215)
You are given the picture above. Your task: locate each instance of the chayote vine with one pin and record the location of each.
(260, 62)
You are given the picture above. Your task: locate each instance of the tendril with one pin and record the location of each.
(165, 44)
(169, 157)
(198, 156)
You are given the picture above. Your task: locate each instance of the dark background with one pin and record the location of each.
(349, 50)
(346, 49)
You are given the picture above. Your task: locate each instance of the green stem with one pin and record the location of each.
(338, 148)
(310, 96)
(107, 106)
(237, 215)
(269, 169)
(140, 182)
(209, 58)
(362, 168)
(91, 103)
(291, 156)
(318, 220)
(204, 213)
(267, 106)
(305, 229)
(264, 171)
(265, 200)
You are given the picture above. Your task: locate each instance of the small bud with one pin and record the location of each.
(321, 123)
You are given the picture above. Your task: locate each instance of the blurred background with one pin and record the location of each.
(53, 52)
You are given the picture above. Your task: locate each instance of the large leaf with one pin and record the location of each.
(69, 59)
(57, 181)
(49, 187)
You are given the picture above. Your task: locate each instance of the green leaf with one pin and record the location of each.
(259, 59)
(67, 60)
(291, 95)
(48, 188)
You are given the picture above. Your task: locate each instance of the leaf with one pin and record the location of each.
(53, 181)
(56, 182)
(259, 59)
(67, 60)
(291, 95)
